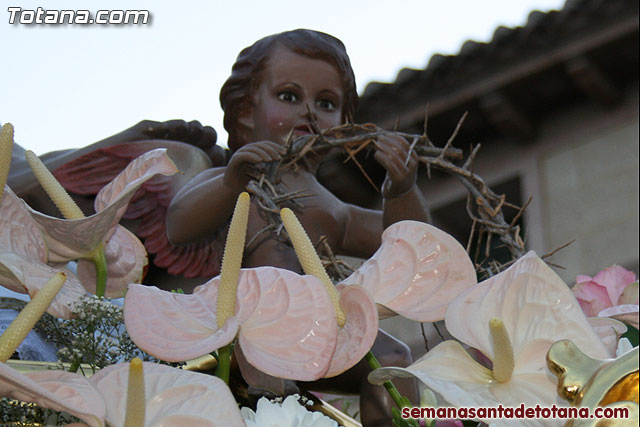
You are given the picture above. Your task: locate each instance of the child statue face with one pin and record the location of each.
(289, 83)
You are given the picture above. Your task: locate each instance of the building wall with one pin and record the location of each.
(590, 194)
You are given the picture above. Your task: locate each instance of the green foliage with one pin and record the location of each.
(396, 415)
(14, 411)
(631, 335)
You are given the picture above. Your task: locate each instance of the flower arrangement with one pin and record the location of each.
(291, 326)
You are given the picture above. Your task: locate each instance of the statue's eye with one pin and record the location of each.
(287, 97)
(326, 104)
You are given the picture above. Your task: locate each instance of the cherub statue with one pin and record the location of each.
(284, 86)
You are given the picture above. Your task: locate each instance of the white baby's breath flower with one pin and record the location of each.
(286, 414)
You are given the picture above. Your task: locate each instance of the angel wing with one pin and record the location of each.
(88, 173)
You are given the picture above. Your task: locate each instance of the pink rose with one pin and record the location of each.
(604, 290)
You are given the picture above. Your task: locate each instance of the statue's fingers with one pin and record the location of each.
(264, 154)
(201, 136)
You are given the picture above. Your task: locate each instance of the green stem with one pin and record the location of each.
(100, 261)
(224, 362)
(74, 366)
(391, 389)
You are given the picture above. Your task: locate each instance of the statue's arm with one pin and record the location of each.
(200, 207)
(402, 199)
(205, 203)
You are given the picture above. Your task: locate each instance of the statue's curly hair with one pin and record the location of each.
(237, 92)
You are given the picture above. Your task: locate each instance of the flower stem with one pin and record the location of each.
(391, 389)
(224, 362)
(100, 261)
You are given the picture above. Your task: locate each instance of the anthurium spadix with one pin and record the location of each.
(354, 309)
(416, 272)
(79, 237)
(284, 322)
(512, 318)
(136, 393)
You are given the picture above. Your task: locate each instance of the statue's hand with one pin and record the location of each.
(392, 152)
(192, 133)
(235, 175)
(203, 137)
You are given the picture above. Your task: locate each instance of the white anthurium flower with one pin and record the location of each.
(624, 345)
(609, 330)
(627, 313)
(513, 318)
(289, 413)
(142, 393)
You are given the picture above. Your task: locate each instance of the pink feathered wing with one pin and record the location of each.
(87, 174)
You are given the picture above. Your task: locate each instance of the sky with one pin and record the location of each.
(65, 86)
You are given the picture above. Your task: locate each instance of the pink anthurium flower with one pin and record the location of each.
(359, 332)
(32, 245)
(416, 272)
(354, 309)
(168, 396)
(23, 253)
(287, 324)
(76, 239)
(24, 256)
(512, 318)
(284, 322)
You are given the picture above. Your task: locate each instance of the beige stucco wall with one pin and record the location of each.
(590, 194)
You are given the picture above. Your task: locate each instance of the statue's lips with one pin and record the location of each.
(302, 130)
